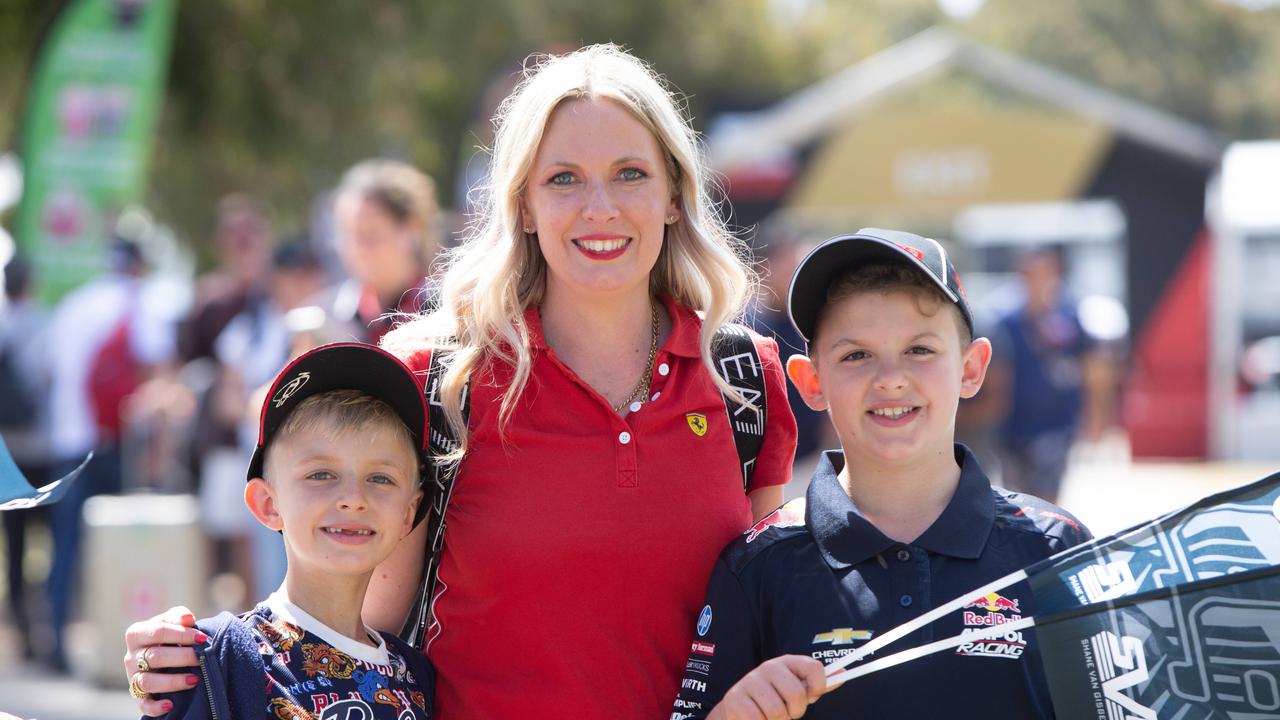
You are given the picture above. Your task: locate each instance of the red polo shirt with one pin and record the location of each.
(580, 543)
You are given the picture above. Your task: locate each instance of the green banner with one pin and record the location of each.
(86, 138)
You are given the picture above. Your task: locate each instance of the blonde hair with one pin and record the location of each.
(337, 412)
(407, 194)
(499, 271)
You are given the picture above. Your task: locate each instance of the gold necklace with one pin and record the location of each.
(641, 390)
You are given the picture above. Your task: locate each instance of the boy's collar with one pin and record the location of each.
(845, 538)
(282, 609)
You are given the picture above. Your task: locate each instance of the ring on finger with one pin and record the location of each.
(143, 665)
(134, 689)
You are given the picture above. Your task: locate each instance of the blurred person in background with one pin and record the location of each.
(242, 242)
(105, 339)
(387, 227)
(1049, 381)
(24, 423)
(782, 252)
(250, 350)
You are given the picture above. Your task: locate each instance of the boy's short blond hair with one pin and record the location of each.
(889, 276)
(337, 412)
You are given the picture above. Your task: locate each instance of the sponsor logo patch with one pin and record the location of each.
(697, 423)
(283, 394)
(704, 621)
(701, 667)
(993, 602)
(701, 648)
(996, 610)
(913, 252)
(841, 636)
(784, 516)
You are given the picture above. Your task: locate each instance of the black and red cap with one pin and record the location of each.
(828, 261)
(343, 366)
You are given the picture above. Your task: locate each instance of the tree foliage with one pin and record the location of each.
(277, 98)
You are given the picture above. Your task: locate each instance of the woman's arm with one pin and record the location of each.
(764, 501)
(395, 582)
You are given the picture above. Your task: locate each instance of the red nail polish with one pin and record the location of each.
(192, 680)
(201, 638)
(166, 706)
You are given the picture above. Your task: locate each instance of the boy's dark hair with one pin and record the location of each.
(887, 275)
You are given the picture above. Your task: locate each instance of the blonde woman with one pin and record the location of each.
(598, 477)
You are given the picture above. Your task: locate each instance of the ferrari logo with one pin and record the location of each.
(697, 423)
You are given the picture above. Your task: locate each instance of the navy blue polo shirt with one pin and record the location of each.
(816, 578)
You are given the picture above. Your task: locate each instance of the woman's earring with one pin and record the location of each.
(528, 231)
(671, 218)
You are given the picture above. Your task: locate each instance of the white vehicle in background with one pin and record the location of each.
(1243, 209)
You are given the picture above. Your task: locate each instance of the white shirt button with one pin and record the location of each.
(624, 437)
(656, 396)
(635, 406)
(663, 369)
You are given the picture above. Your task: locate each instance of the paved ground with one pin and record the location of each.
(1103, 489)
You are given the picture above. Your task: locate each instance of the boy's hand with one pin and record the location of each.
(164, 642)
(783, 687)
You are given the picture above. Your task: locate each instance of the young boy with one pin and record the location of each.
(337, 469)
(901, 520)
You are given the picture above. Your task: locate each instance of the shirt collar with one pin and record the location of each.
(685, 327)
(846, 538)
(280, 606)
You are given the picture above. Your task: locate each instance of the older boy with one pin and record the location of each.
(898, 521)
(336, 471)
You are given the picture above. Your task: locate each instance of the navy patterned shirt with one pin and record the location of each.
(278, 662)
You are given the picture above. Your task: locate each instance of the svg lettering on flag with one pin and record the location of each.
(1177, 617)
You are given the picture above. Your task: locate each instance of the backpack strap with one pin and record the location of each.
(738, 363)
(438, 482)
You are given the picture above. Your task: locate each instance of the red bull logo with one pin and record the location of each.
(999, 610)
(914, 252)
(993, 602)
(790, 514)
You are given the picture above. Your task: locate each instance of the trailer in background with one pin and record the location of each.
(1243, 209)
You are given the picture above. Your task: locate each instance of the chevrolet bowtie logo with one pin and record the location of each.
(842, 636)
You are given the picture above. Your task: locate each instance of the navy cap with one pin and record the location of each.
(344, 366)
(825, 263)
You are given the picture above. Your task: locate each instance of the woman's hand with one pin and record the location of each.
(161, 643)
(781, 688)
